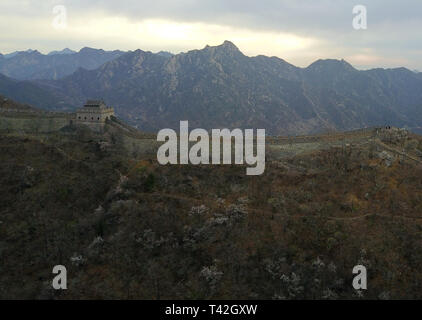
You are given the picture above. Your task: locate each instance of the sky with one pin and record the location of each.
(298, 31)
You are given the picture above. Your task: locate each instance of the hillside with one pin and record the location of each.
(8, 104)
(28, 92)
(126, 227)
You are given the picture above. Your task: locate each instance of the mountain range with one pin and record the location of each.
(31, 64)
(219, 86)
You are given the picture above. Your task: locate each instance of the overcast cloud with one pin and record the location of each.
(299, 31)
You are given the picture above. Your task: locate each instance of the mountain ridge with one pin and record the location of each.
(64, 51)
(219, 86)
(31, 64)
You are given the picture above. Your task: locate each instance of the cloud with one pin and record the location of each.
(298, 31)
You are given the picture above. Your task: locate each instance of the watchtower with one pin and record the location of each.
(94, 113)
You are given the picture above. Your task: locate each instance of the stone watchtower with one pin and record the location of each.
(94, 113)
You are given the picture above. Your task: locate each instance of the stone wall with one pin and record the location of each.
(359, 133)
(24, 121)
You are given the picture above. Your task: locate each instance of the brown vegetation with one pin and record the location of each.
(130, 228)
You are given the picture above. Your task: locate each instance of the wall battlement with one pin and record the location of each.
(370, 132)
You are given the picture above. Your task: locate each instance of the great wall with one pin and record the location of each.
(66, 118)
(32, 121)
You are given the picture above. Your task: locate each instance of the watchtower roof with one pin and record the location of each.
(95, 103)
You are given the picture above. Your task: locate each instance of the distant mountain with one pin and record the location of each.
(221, 87)
(165, 54)
(15, 53)
(10, 55)
(31, 64)
(64, 51)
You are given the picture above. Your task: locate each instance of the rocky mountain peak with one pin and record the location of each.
(88, 50)
(226, 46)
(64, 51)
(229, 45)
